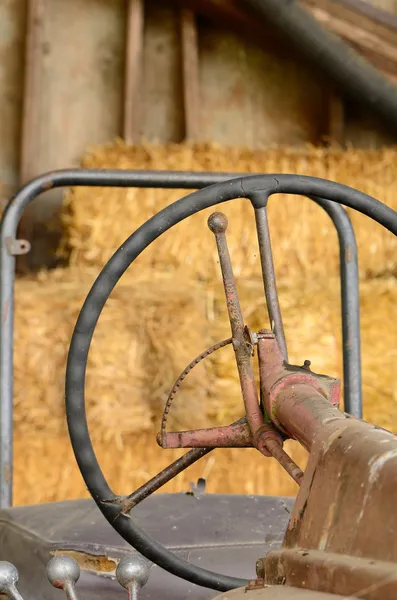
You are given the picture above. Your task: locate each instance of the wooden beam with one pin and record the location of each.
(35, 43)
(133, 71)
(190, 74)
(31, 115)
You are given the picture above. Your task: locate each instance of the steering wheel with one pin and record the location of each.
(258, 428)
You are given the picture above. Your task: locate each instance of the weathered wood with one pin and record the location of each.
(190, 74)
(35, 47)
(133, 71)
(162, 119)
(12, 59)
(78, 91)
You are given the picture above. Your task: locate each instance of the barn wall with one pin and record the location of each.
(248, 95)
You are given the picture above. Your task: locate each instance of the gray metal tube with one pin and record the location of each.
(350, 296)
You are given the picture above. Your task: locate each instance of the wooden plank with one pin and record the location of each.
(35, 44)
(190, 74)
(162, 111)
(12, 59)
(133, 71)
(80, 70)
(31, 115)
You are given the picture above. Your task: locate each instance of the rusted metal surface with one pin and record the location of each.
(237, 435)
(352, 577)
(341, 536)
(281, 382)
(257, 590)
(129, 502)
(218, 223)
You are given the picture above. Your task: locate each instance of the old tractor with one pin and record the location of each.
(336, 540)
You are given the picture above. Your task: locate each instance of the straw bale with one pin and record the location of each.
(149, 332)
(98, 220)
(146, 335)
(46, 470)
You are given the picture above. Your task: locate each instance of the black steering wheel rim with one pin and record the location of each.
(258, 189)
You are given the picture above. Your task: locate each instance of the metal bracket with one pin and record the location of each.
(17, 247)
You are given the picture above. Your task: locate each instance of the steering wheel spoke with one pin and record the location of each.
(127, 503)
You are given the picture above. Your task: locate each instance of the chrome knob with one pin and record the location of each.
(63, 572)
(132, 573)
(8, 579)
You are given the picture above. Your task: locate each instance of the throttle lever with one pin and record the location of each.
(218, 223)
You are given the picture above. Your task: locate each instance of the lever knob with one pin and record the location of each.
(217, 222)
(63, 572)
(132, 573)
(8, 579)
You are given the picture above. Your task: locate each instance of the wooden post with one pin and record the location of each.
(31, 95)
(133, 71)
(30, 116)
(190, 74)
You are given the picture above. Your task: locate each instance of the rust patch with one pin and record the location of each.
(6, 309)
(348, 254)
(47, 186)
(90, 562)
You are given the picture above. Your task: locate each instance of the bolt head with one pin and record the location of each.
(132, 569)
(62, 570)
(217, 222)
(8, 576)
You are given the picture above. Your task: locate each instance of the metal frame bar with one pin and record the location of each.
(165, 180)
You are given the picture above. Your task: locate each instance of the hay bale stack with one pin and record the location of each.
(170, 306)
(46, 470)
(145, 337)
(97, 221)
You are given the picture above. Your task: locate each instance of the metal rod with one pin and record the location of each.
(145, 179)
(237, 435)
(276, 450)
(161, 479)
(269, 278)
(218, 223)
(350, 307)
